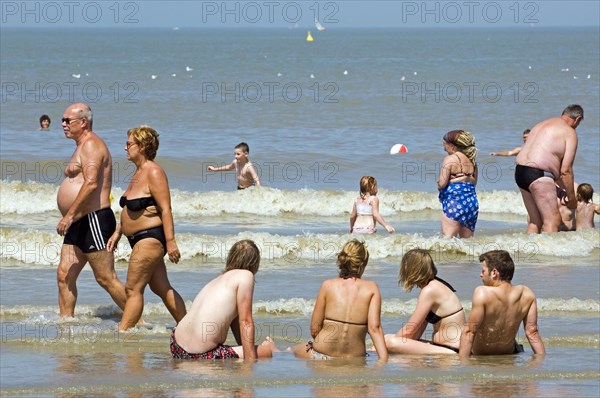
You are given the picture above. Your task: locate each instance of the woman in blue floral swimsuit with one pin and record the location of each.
(456, 183)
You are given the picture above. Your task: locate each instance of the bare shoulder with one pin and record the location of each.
(371, 285)
(240, 275)
(483, 294)
(330, 282)
(526, 293)
(96, 141)
(94, 149)
(429, 289)
(155, 170)
(449, 159)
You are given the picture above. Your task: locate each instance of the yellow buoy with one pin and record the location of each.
(309, 37)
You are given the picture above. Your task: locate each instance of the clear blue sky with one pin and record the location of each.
(300, 14)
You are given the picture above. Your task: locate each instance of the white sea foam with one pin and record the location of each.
(33, 197)
(36, 247)
(292, 306)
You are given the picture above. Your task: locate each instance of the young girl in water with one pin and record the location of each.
(365, 211)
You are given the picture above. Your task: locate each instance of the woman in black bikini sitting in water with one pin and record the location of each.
(438, 304)
(346, 309)
(147, 222)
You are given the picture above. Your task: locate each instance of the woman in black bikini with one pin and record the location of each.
(346, 309)
(438, 304)
(147, 222)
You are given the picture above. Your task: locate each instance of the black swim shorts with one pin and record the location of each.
(91, 232)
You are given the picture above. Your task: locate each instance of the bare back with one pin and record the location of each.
(504, 308)
(363, 209)
(584, 215)
(445, 303)
(343, 311)
(207, 322)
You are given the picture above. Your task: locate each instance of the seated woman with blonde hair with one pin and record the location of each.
(346, 309)
(438, 304)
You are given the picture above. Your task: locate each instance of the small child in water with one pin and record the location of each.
(365, 211)
(584, 215)
(244, 171)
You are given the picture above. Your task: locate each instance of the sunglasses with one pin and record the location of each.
(68, 120)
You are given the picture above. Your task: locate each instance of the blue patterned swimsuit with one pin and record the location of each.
(459, 202)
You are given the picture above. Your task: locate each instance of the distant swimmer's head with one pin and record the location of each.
(575, 113)
(243, 255)
(146, 138)
(500, 261)
(353, 259)
(585, 192)
(416, 269)
(368, 185)
(464, 141)
(45, 122)
(526, 134)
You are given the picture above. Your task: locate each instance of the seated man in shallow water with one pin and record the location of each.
(497, 310)
(225, 302)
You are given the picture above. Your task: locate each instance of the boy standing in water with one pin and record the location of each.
(245, 173)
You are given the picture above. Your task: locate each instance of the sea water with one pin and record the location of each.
(317, 117)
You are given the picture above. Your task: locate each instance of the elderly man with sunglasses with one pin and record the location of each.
(88, 221)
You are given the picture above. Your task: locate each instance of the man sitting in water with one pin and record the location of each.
(498, 309)
(224, 302)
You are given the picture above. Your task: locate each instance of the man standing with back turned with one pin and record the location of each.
(546, 159)
(88, 221)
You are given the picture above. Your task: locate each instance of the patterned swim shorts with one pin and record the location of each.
(219, 352)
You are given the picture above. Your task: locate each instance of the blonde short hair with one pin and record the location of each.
(147, 138)
(416, 269)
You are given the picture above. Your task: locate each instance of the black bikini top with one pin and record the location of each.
(460, 173)
(432, 317)
(137, 204)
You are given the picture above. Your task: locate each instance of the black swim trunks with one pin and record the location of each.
(525, 175)
(91, 232)
(157, 233)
